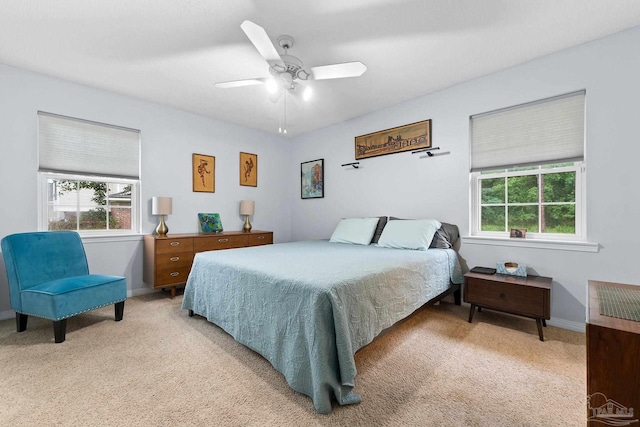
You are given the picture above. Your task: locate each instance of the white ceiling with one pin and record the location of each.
(172, 51)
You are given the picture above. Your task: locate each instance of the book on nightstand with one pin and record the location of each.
(483, 270)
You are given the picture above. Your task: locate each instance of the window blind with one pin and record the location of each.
(72, 145)
(541, 132)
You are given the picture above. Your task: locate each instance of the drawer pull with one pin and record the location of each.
(174, 259)
(503, 296)
(223, 240)
(175, 243)
(174, 274)
(260, 237)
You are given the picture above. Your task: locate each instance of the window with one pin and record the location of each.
(89, 176)
(528, 170)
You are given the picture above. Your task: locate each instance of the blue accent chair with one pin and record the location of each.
(49, 277)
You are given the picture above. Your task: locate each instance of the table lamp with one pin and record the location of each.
(246, 208)
(161, 206)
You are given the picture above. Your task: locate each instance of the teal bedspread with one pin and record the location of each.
(307, 307)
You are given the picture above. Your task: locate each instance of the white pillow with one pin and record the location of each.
(358, 231)
(409, 234)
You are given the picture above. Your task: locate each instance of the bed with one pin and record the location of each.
(308, 306)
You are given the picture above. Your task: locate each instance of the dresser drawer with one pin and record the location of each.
(169, 245)
(212, 243)
(172, 276)
(260, 239)
(174, 260)
(517, 299)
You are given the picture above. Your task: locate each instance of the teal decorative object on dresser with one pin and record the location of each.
(210, 223)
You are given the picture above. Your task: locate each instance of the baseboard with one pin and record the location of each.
(140, 291)
(559, 323)
(10, 314)
(568, 324)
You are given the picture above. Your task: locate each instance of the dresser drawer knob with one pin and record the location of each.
(174, 274)
(174, 259)
(260, 237)
(175, 243)
(223, 240)
(503, 296)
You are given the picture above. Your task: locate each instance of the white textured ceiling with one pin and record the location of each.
(172, 51)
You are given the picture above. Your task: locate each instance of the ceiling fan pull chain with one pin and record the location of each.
(285, 111)
(280, 122)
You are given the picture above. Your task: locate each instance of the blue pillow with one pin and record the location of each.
(409, 234)
(356, 231)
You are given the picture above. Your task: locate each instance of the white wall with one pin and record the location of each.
(406, 185)
(169, 138)
(399, 184)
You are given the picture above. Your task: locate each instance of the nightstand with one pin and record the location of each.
(523, 296)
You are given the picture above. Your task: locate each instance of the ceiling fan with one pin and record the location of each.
(286, 70)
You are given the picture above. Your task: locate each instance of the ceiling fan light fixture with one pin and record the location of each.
(272, 86)
(307, 93)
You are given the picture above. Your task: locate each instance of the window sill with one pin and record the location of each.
(105, 238)
(560, 245)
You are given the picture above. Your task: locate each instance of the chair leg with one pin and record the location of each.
(21, 322)
(119, 310)
(59, 330)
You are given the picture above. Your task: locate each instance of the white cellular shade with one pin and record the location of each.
(547, 131)
(78, 146)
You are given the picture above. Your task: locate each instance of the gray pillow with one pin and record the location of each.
(381, 223)
(445, 237)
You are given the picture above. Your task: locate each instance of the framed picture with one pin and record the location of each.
(395, 140)
(518, 233)
(249, 169)
(204, 173)
(312, 179)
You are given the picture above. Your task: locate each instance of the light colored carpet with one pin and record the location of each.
(159, 367)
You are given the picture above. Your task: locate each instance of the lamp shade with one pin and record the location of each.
(161, 205)
(247, 207)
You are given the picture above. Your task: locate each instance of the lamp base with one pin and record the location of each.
(162, 229)
(247, 224)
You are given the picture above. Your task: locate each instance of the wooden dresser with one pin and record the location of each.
(167, 260)
(613, 354)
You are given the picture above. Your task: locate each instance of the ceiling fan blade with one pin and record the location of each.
(338, 71)
(258, 36)
(239, 83)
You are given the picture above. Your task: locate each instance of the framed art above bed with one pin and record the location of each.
(395, 140)
(312, 179)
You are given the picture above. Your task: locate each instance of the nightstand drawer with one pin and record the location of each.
(170, 276)
(164, 246)
(174, 260)
(515, 298)
(260, 239)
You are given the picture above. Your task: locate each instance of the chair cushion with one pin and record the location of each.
(62, 298)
